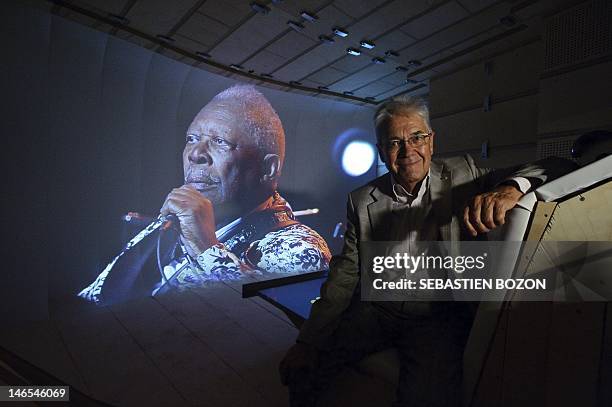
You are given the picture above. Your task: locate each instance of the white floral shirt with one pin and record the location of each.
(293, 249)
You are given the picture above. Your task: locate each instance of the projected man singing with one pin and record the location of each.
(233, 222)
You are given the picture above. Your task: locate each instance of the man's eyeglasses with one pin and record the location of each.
(416, 140)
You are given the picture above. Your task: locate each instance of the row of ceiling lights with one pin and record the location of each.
(338, 31)
(326, 39)
(298, 26)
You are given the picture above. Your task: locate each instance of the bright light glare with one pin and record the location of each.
(357, 158)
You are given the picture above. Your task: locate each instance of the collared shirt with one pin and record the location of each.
(410, 211)
(411, 230)
(404, 197)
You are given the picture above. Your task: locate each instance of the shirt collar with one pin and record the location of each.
(400, 194)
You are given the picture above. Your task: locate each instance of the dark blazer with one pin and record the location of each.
(452, 182)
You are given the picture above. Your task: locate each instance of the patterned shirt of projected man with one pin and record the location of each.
(288, 247)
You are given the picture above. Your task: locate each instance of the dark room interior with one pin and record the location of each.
(104, 108)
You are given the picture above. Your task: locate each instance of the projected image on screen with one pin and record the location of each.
(227, 221)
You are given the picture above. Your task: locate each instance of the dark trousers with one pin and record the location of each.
(430, 338)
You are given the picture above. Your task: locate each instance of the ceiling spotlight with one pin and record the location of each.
(322, 88)
(391, 53)
(295, 25)
(260, 8)
(367, 44)
(237, 67)
(295, 83)
(309, 17)
(205, 55)
(414, 62)
(370, 98)
(118, 19)
(401, 68)
(326, 39)
(508, 20)
(353, 51)
(411, 81)
(251, 71)
(340, 32)
(348, 93)
(378, 61)
(165, 38)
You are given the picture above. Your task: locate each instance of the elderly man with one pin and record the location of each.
(420, 199)
(233, 222)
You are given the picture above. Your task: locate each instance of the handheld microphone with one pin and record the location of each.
(139, 219)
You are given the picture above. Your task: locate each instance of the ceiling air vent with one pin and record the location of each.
(556, 147)
(578, 34)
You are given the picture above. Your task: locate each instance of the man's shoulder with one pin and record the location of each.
(382, 182)
(455, 162)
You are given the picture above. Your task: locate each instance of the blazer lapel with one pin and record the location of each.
(380, 210)
(441, 199)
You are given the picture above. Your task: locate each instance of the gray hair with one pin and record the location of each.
(401, 105)
(260, 118)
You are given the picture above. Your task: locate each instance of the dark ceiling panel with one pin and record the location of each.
(229, 12)
(311, 61)
(135, 39)
(250, 37)
(392, 92)
(190, 45)
(294, 8)
(476, 39)
(435, 20)
(423, 76)
(422, 49)
(312, 84)
(396, 78)
(415, 90)
(203, 29)
(455, 34)
(384, 18)
(368, 74)
(435, 57)
(158, 16)
(327, 75)
(486, 46)
(393, 41)
(474, 5)
(373, 89)
(350, 63)
(106, 6)
(356, 8)
(264, 62)
(290, 45)
(477, 23)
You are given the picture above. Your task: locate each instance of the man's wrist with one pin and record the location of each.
(511, 190)
(520, 183)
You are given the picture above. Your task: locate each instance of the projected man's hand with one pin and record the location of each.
(487, 211)
(196, 217)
